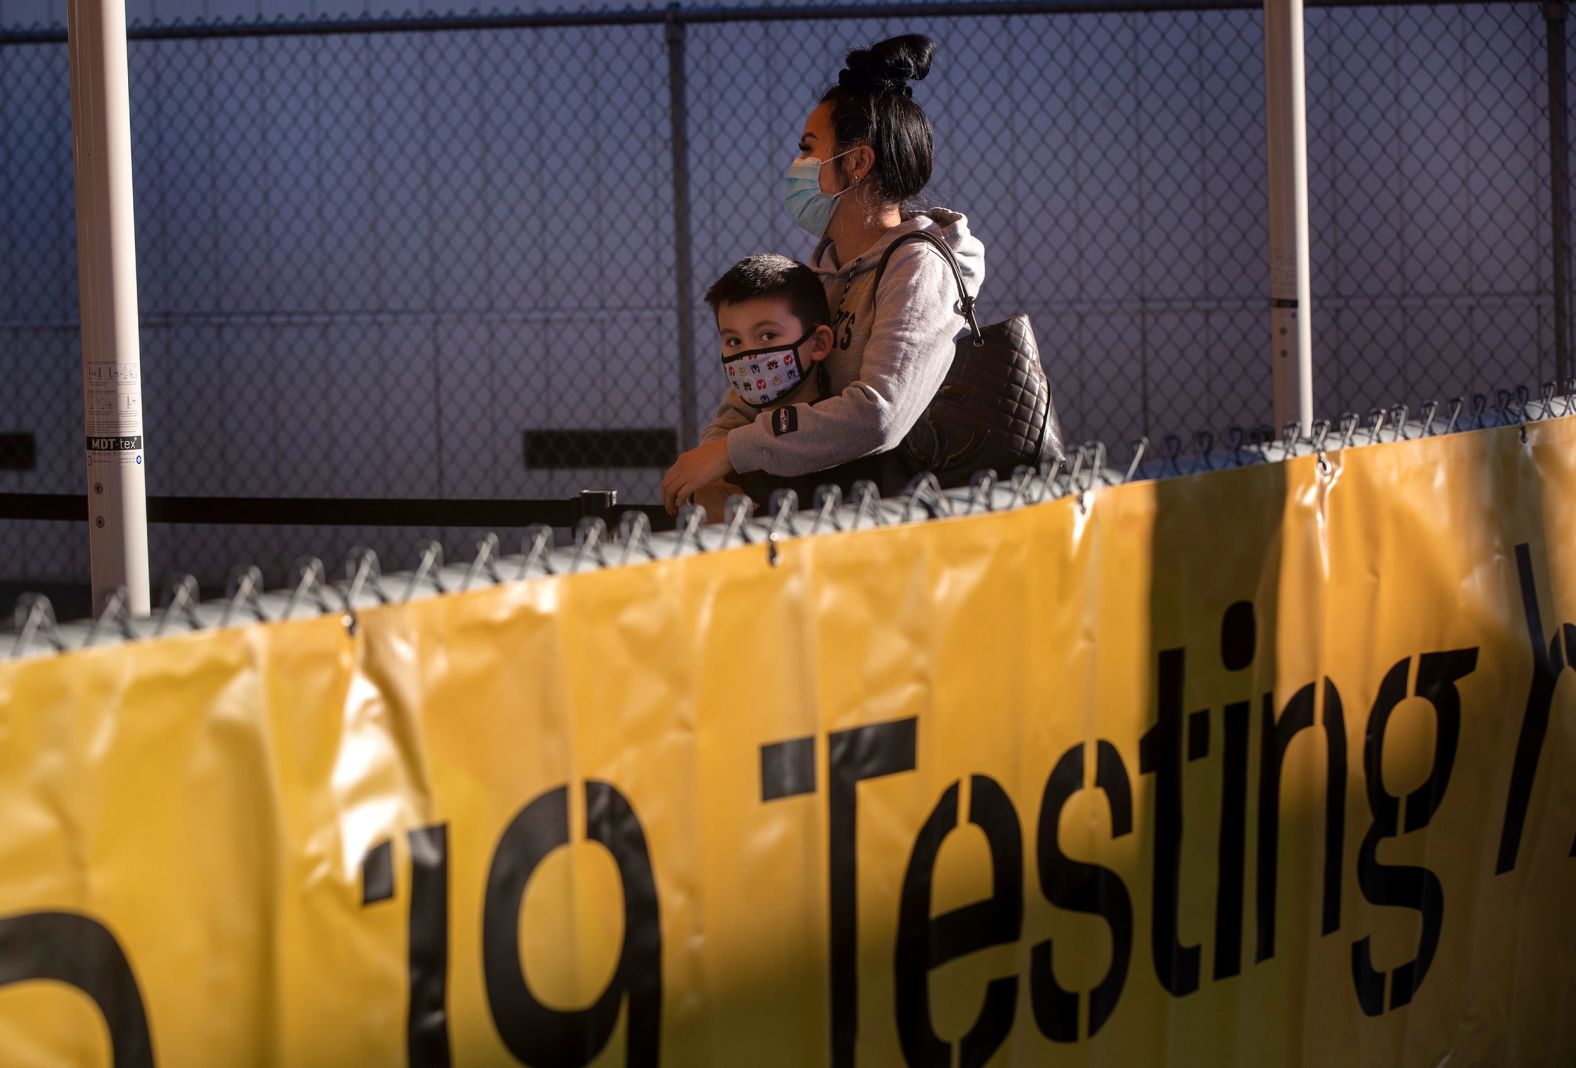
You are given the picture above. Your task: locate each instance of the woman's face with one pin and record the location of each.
(820, 141)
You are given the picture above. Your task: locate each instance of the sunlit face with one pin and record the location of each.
(820, 140)
(766, 322)
(757, 323)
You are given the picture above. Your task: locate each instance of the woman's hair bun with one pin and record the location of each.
(887, 66)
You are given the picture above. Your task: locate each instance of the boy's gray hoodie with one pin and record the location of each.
(890, 353)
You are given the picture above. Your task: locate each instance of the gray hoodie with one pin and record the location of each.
(889, 356)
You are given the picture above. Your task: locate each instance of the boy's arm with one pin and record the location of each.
(731, 413)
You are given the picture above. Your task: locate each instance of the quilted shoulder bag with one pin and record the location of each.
(994, 408)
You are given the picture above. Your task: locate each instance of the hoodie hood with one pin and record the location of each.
(951, 226)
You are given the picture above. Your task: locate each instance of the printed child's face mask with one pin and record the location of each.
(764, 376)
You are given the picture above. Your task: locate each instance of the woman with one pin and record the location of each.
(865, 152)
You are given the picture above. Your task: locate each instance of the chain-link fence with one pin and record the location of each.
(463, 257)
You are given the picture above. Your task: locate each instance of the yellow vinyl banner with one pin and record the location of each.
(1265, 766)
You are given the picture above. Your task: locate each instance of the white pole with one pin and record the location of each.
(107, 271)
(1291, 305)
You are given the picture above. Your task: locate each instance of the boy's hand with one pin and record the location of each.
(714, 498)
(701, 466)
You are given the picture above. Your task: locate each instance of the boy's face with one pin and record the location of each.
(757, 323)
(767, 323)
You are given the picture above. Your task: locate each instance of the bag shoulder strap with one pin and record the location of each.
(965, 302)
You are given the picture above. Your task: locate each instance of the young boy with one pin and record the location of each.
(774, 328)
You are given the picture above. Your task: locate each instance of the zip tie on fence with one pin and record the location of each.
(1018, 486)
(35, 618)
(1261, 437)
(1022, 479)
(1236, 438)
(982, 491)
(1096, 470)
(537, 550)
(1398, 417)
(1349, 421)
(1046, 482)
(245, 587)
(1092, 462)
(429, 567)
(1093, 457)
(1141, 446)
(736, 513)
(1430, 410)
(184, 596)
(1204, 446)
(362, 572)
(866, 498)
(634, 532)
(1319, 433)
(1242, 440)
(1376, 421)
(691, 521)
(1049, 482)
(309, 580)
(925, 492)
(1288, 438)
(117, 611)
(485, 560)
(783, 505)
(1081, 459)
(1052, 482)
(828, 502)
(590, 534)
(1479, 407)
(1170, 449)
(1083, 472)
(1456, 405)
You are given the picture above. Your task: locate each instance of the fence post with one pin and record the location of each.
(107, 274)
(1291, 303)
(678, 119)
(1559, 186)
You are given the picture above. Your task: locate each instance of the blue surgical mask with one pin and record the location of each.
(810, 208)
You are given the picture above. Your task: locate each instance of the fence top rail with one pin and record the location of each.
(633, 540)
(677, 14)
(342, 511)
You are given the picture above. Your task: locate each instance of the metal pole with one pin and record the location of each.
(1291, 304)
(107, 273)
(678, 120)
(1559, 188)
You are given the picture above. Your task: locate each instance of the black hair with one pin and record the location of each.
(873, 104)
(767, 274)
